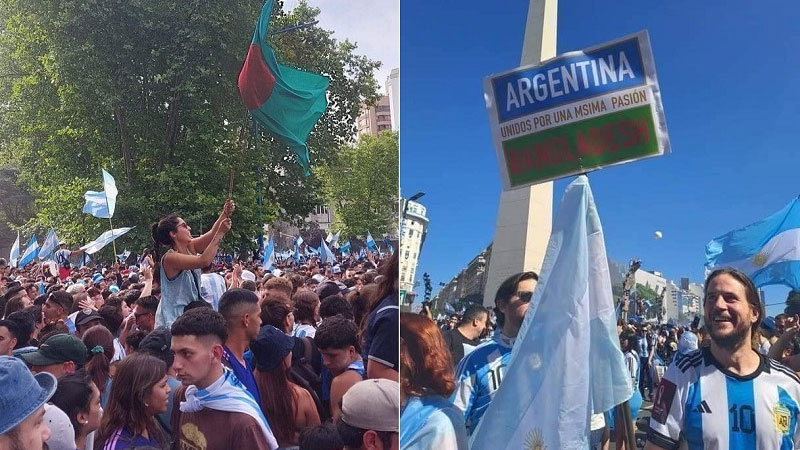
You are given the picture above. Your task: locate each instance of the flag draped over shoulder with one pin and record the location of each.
(31, 251)
(286, 101)
(49, 246)
(768, 251)
(102, 204)
(14, 256)
(566, 361)
(105, 239)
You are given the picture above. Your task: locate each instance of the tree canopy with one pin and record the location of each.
(148, 90)
(362, 183)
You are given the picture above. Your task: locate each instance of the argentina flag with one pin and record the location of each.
(768, 251)
(50, 245)
(566, 362)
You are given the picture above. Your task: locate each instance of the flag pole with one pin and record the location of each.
(113, 242)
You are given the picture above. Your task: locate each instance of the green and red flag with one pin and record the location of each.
(286, 101)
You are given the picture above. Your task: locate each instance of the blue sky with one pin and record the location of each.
(727, 73)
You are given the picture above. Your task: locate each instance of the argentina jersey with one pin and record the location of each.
(478, 376)
(709, 407)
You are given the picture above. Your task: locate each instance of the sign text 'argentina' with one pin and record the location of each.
(577, 112)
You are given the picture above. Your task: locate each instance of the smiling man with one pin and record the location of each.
(727, 395)
(479, 373)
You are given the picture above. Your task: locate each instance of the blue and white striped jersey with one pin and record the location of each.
(478, 376)
(711, 408)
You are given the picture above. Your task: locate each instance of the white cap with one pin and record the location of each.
(247, 275)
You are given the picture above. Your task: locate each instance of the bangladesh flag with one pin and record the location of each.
(286, 101)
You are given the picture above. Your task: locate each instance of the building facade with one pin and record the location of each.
(374, 119)
(414, 228)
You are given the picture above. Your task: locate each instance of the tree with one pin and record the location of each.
(148, 90)
(361, 182)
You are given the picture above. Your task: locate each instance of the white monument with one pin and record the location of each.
(525, 216)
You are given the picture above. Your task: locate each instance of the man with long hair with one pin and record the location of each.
(727, 395)
(480, 373)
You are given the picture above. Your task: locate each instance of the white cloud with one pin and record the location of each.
(374, 25)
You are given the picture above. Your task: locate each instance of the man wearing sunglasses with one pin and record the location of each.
(479, 374)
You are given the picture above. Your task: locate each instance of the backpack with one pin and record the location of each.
(303, 373)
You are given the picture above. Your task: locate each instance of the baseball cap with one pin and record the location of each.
(87, 315)
(247, 275)
(57, 349)
(23, 393)
(326, 289)
(97, 278)
(336, 269)
(372, 405)
(318, 278)
(270, 347)
(62, 434)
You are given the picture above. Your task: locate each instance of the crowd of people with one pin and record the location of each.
(183, 351)
(738, 362)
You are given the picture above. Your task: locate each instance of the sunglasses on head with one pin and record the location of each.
(524, 296)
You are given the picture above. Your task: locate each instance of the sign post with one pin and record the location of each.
(577, 112)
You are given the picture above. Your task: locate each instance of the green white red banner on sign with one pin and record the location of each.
(577, 112)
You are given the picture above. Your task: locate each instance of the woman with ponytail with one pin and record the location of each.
(180, 266)
(100, 343)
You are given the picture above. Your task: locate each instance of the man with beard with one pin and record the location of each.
(479, 374)
(727, 395)
(468, 334)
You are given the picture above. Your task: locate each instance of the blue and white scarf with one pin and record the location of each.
(228, 394)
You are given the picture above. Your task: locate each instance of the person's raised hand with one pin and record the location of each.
(228, 208)
(147, 273)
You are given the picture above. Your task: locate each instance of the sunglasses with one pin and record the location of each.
(524, 296)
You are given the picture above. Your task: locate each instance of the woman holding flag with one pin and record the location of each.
(182, 263)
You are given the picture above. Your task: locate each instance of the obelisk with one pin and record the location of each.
(525, 216)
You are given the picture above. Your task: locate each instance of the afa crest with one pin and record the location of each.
(782, 417)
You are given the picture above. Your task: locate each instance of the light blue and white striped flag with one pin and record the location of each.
(14, 256)
(101, 204)
(84, 260)
(371, 242)
(269, 255)
(30, 253)
(566, 361)
(326, 255)
(50, 245)
(345, 248)
(105, 239)
(335, 238)
(768, 251)
(124, 256)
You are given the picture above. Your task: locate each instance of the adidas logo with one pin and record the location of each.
(703, 407)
